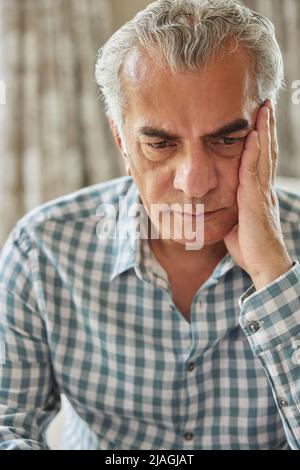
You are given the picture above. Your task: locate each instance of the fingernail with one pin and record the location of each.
(268, 103)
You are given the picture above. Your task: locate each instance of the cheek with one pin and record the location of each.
(230, 174)
(157, 184)
(154, 180)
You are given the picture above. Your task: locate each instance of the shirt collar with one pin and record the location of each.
(126, 246)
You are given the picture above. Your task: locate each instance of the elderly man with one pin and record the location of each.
(156, 345)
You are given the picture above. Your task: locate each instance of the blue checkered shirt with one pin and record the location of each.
(94, 320)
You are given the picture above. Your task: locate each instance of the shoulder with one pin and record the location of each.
(76, 211)
(80, 204)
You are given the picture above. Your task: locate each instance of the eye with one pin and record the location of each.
(160, 145)
(228, 146)
(229, 141)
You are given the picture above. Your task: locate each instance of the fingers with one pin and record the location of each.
(274, 140)
(260, 156)
(265, 163)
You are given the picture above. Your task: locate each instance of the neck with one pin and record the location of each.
(190, 262)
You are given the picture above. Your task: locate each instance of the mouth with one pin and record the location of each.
(195, 215)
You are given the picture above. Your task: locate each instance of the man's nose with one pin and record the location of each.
(195, 173)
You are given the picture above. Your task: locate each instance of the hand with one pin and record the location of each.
(256, 243)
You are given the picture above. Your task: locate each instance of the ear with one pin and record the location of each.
(119, 143)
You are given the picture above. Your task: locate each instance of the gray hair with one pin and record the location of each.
(187, 34)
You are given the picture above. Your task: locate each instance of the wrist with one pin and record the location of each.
(272, 273)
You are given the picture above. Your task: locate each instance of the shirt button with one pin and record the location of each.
(189, 436)
(191, 366)
(296, 357)
(283, 403)
(253, 326)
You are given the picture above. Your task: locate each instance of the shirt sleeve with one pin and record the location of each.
(270, 318)
(29, 395)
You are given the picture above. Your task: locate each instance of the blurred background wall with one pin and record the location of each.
(54, 137)
(124, 10)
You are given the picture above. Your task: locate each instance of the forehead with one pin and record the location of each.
(220, 91)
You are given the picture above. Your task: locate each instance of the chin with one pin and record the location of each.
(214, 232)
(217, 234)
(213, 240)
(209, 239)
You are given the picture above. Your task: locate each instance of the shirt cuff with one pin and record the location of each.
(271, 316)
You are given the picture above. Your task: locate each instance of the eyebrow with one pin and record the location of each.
(230, 128)
(234, 126)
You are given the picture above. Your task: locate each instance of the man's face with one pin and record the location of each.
(179, 150)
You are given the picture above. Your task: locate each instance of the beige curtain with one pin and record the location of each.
(54, 137)
(285, 15)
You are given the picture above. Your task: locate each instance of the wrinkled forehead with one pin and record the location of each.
(224, 86)
(139, 68)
